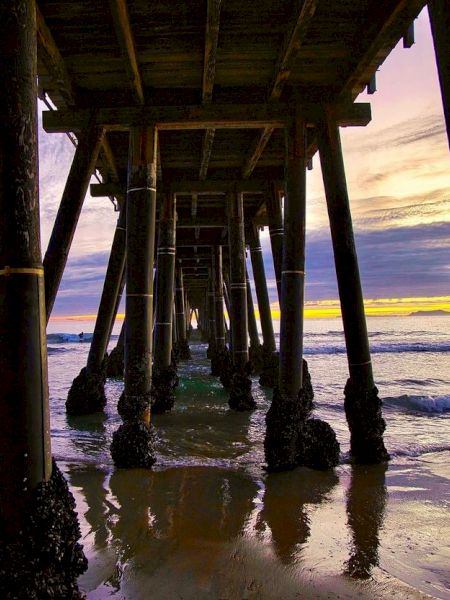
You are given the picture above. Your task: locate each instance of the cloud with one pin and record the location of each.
(403, 261)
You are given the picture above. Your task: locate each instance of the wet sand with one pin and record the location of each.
(212, 533)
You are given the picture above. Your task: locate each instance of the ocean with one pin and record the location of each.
(209, 522)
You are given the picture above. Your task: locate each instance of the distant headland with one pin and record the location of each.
(429, 313)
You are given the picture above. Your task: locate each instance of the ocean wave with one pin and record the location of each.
(64, 338)
(57, 350)
(420, 450)
(381, 348)
(425, 404)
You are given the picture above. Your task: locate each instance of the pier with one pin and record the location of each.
(201, 119)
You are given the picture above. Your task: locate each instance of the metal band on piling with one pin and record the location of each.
(7, 271)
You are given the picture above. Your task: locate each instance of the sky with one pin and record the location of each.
(398, 178)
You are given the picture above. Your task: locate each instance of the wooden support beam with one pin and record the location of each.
(225, 116)
(209, 71)
(362, 405)
(69, 210)
(108, 302)
(165, 274)
(257, 148)
(24, 412)
(132, 442)
(291, 45)
(196, 188)
(208, 140)
(262, 294)
(51, 57)
(124, 34)
(218, 298)
(290, 48)
(218, 116)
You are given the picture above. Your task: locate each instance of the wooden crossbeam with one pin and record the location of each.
(209, 71)
(290, 48)
(124, 34)
(216, 116)
(193, 187)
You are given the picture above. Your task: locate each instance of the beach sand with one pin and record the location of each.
(211, 533)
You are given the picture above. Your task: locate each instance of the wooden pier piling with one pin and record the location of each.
(362, 404)
(66, 221)
(275, 219)
(165, 376)
(240, 389)
(87, 393)
(292, 438)
(269, 374)
(34, 497)
(132, 444)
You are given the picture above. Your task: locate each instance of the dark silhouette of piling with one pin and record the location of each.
(165, 377)
(39, 551)
(362, 404)
(240, 388)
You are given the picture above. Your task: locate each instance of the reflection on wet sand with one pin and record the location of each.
(285, 508)
(366, 501)
(187, 515)
(93, 485)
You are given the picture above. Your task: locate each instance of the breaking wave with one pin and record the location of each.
(424, 404)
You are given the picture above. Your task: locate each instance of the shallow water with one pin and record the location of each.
(208, 522)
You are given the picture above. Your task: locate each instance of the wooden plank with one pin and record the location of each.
(124, 34)
(290, 48)
(209, 71)
(53, 61)
(207, 146)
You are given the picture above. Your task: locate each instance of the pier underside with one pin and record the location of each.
(200, 120)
